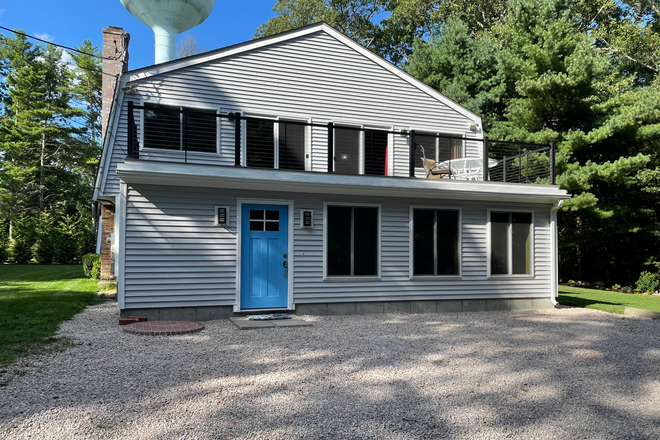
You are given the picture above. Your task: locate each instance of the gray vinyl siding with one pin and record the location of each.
(119, 143)
(175, 256)
(313, 76)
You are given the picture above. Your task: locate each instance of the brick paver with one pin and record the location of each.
(163, 328)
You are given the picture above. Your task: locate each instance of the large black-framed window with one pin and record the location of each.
(347, 150)
(375, 152)
(291, 146)
(511, 243)
(352, 240)
(436, 241)
(360, 151)
(259, 143)
(168, 127)
(261, 138)
(437, 148)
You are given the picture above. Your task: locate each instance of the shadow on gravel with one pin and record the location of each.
(499, 374)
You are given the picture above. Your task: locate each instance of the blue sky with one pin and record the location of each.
(69, 22)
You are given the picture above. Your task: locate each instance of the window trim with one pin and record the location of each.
(276, 138)
(411, 243)
(180, 104)
(522, 276)
(327, 277)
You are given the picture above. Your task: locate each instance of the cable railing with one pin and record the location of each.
(338, 148)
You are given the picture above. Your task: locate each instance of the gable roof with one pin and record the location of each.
(135, 76)
(157, 69)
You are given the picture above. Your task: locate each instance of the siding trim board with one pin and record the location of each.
(291, 254)
(120, 243)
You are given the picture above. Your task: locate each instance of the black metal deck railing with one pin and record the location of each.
(351, 149)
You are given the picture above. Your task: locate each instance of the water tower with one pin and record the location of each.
(168, 18)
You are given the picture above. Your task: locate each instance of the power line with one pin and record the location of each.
(58, 45)
(69, 48)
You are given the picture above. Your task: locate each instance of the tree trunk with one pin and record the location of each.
(42, 179)
(95, 219)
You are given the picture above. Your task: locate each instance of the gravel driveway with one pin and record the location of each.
(564, 374)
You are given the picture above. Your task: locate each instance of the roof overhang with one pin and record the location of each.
(211, 176)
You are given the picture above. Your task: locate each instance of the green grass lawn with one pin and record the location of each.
(613, 302)
(34, 300)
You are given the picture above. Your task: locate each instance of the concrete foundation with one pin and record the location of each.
(349, 308)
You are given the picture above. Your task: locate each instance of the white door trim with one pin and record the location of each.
(239, 212)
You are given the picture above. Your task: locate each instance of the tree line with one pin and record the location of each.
(50, 105)
(582, 74)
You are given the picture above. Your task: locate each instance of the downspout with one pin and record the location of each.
(554, 260)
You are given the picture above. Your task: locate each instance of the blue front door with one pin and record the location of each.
(264, 256)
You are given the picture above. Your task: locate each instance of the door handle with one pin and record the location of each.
(286, 268)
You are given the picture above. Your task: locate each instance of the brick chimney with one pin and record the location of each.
(115, 62)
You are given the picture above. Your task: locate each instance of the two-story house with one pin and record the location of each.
(301, 172)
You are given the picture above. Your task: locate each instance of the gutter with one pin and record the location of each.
(554, 261)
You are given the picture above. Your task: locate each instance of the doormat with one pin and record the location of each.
(268, 317)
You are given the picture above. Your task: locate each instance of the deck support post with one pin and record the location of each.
(237, 139)
(552, 163)
(331, 147)
(411, 156)
(484, 160)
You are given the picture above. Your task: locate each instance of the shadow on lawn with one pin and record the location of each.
(34, 273)
(583, 302)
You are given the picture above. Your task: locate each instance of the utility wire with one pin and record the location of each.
(58, 45)
(69, 48)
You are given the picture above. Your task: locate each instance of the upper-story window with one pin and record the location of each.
(270, 142)
(177, 128)
(360, 151)
(436, 148)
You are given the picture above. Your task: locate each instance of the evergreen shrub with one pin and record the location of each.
(4, 244)
(88, 261)
(20, 250)
(647, 282)
(96, 270)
